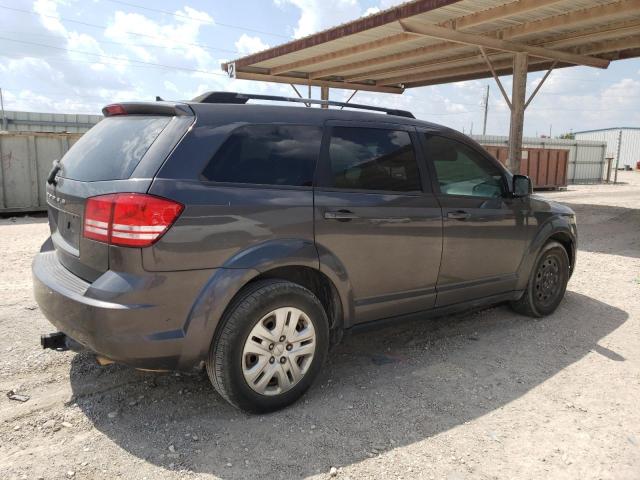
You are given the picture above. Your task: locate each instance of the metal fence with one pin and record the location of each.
(624, 141)
(15, 121)
(25, 162)
(587, 158)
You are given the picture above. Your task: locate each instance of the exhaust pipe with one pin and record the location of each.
(59, 342)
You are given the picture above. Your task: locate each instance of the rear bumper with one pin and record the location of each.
(107, 317)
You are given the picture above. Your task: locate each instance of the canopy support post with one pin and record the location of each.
(518, 98)
(324, 95)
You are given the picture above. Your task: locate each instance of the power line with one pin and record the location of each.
(103, 27)
(58, 94)
(227, 25)
(160, 65)
(127, 44)
(66, 60)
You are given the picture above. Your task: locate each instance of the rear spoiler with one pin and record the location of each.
(147, 108)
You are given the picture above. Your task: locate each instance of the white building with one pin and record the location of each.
(625, 140)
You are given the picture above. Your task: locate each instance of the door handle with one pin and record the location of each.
(340, 215)
(459, 215)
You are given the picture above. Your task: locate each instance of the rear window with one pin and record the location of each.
(373, 159)
(267, 155)
(113, 148)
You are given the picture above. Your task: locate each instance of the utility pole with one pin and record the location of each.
(3, 121)
(486, 111)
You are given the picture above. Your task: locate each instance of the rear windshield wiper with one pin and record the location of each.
(57, 166)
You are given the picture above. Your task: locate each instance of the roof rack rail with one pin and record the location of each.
(241, 98)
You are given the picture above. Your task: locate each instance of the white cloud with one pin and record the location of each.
(247, 44)
(49, 16)
(316, 15)
(384, 4)
(170, 86)
(171, 43)
(193, 14)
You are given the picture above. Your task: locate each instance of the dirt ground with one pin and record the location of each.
(480, 396)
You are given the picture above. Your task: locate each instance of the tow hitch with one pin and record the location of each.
(60, 342)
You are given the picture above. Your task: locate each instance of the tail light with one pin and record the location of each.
(129, 219)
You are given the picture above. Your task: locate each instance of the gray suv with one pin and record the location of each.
(249, 237)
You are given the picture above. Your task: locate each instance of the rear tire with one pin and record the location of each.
(547, 283)
(270, 346)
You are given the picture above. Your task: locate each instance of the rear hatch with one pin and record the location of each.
(122, 153)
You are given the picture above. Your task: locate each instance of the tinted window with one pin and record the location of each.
(268, 155)
(373, 159)
(112, 149)
(461, 170)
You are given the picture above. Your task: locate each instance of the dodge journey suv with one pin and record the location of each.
(249, 237)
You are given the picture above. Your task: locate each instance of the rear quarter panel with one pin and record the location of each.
(221, 222)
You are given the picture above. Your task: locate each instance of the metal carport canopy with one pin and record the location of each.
(429, 42)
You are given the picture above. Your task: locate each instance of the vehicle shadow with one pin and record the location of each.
(607, 229)
(379, 390)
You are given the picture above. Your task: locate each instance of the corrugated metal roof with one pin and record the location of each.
(607, 129)
(390, 51)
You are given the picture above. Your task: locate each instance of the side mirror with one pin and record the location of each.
(522, 186)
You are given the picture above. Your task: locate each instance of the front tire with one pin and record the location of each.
(547, 283)
(270, 346)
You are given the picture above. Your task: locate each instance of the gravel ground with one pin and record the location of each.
(485, 395)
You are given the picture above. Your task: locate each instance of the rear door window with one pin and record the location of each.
(267, 155)
(113, 148)
(364, 158)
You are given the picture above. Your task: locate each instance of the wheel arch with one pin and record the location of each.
(321, 286)
(569, 244)
(558, 229)
(296, 260)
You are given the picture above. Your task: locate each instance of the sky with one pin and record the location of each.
(77, 56)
